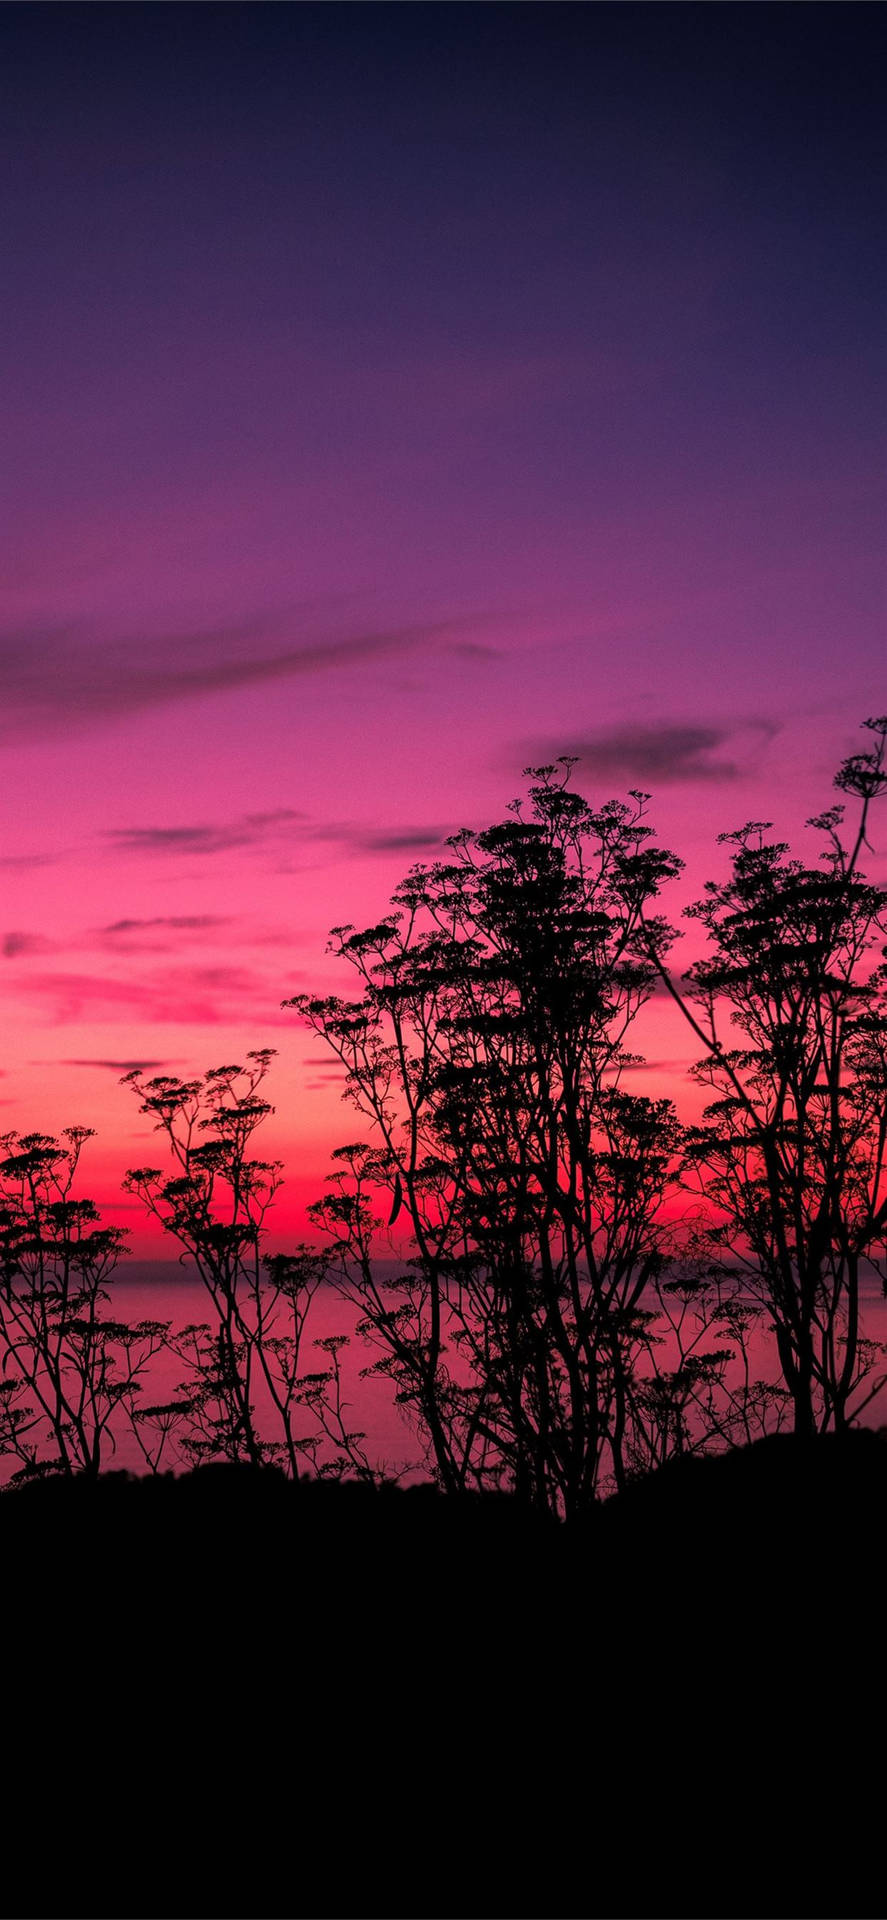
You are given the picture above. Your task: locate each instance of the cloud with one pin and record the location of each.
(12, 862)
(57, 680)
(163, 933)
(257, 829)
(655, 1066)
(118, 1066)
(17, 945)
(663, 754)
(172, 933)
(199, 996)
(173, 922)
(405, 839)
(250, 830)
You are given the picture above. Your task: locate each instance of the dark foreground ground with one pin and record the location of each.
(228, 1696)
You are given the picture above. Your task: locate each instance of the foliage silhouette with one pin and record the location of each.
(216, 1207)
(488, 1053)
(550, 1322)
(791, 1154)
(68, 1369)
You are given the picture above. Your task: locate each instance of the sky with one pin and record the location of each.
(394, 397)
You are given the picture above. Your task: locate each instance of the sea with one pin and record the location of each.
(169, 1291)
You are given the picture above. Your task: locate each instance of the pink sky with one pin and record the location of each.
(372, 434)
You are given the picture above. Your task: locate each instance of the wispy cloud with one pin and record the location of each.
(171, 922)
(15, 862)
(250, 830)
(656, 1066)
(118, 1066)
(161, 933)
(199, 996)
(399, 839)
(259, 829)
(165, 933)
(56, 680)
(664, 754)
(17, 946)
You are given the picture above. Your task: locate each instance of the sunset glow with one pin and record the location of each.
(395, 398)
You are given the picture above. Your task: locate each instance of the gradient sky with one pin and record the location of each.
(394, 396)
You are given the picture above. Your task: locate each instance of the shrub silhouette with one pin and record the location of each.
(546, 1329)
(791, 1156)
(488, 1053)
(69, 1371)
(216, 1206)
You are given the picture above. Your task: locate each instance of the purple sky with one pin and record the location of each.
(394, 396)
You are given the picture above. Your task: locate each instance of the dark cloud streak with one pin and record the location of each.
(54, 680)
(405, 839)
(173, 922)
(15, 862)
(118, 1066)
(665, 753)
(255, 830)
(17, 946)
(251, 830)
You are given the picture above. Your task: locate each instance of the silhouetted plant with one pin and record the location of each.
(791, 1154)
(697, 1396)
(543, 1327)
(69, 1370)
(162, 1430)
(216, 1207)
(487, 1052)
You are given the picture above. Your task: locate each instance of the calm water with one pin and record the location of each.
(172, 1293)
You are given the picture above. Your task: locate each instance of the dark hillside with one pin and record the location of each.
(229, 1695)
